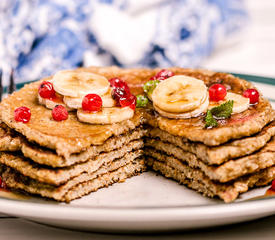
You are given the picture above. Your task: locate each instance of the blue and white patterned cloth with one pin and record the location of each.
(39, 37)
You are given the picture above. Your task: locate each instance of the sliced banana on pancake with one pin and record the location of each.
(79, 83)
(76, 103)
(50, 104)
(194, 113)
(107, 100)
(179, 94)
(240, 103)
(106, 115)
(73, 102)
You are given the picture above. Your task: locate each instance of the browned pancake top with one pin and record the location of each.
(239, 125)
(64, 136)
(73, 136)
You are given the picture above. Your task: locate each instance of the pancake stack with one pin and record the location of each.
(223, 161)
(68, 159)
(224, 171)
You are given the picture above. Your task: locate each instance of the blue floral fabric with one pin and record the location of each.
(39, 37)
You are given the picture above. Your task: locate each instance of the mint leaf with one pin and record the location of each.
(224, 110)
(142, 101)
(210, 121)
(220, 112)
(150, 86)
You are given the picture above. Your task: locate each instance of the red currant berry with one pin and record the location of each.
(162, 75)
(114, 82)
(252, 94)
(46, 90)
(130, 101)
(120, 88)
(3, 185)
(273, 185)
(22, 114)
(59, 113)
(118, 93)
(118, 83)
(217, 92)
(92, 103)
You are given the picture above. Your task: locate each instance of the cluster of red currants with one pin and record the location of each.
(91, 102)
(122, 94)
(217, 92)
(46, 90)
(162, 75)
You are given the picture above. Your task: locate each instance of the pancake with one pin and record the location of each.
(50, 158)
(226, 172)
(57, 176)
(239, 125)
(79, 186)
(38, 154)
(218, 154)
(66, 137)
(197, 180)
(9, 140)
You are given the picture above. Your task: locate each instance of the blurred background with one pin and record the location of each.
(40, 37)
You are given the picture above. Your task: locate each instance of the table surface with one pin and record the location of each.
(253, 55)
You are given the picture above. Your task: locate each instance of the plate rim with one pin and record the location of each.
(45, 211)
(53, 204)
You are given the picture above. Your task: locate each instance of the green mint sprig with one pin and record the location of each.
(142, 101)
(210, 121)
(150, 86)
(224, 110)
(220, 112)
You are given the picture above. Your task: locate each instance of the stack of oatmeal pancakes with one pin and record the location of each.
(68, 159)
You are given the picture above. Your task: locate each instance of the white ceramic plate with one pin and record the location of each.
(148, 202)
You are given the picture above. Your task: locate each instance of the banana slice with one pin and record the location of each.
(106, 115)
(107, 100)
(73, 102)
(194, 113)
(76, 103)
(78, 84)
(240, 103)
(179, 94)
(50, 104)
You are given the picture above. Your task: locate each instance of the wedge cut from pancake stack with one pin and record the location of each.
(65, 160)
